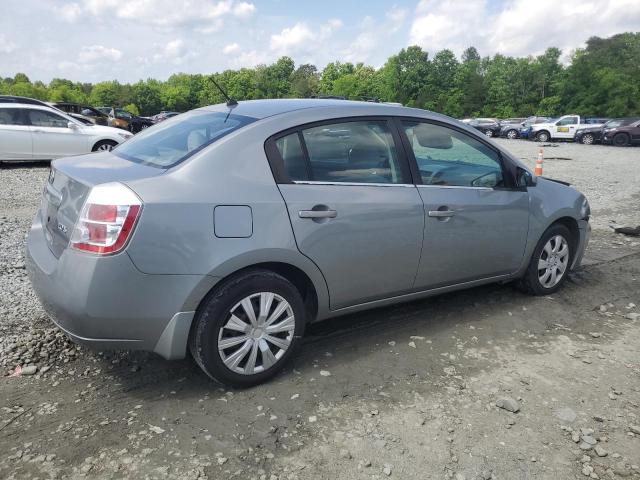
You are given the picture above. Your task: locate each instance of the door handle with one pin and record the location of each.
(317, 214)
(441, 213)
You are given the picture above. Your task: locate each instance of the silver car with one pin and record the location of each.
(226, 230)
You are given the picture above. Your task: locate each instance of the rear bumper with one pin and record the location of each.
(106, 303)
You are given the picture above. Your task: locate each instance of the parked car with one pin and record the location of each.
(511, 121)
(489, 127)
(564, 128)
(77, 110)
(515, 130)
(36, 132)
(589, 135)
(120, 118)
(23, 100)
(226, 231)
(163, 116)
(627, 133)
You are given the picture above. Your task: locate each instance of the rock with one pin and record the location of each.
(585, 446)
(601, 452)
(565, 414)
(586, 431)
(575, 436)
(587, 470)
(222, 460)
(29, 370)
(325, 373)
(387, 469)
(634, 429)
(155, 429)
(346, 454)
(412, 344)
(508, 403)
(589, 439)
(313, 419)
(595, 334)
(599, 418)
(633, 316)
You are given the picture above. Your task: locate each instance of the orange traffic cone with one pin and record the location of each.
(539, 162)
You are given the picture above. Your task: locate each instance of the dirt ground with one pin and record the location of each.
(406, 392)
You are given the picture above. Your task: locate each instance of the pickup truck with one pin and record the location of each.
(564, 127)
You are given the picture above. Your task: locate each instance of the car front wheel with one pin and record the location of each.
(542, 137)
(587, 139)
(621, 140)
(104, 146)
(550, 262)
(488, 133)
(512, 134)
(245, 331)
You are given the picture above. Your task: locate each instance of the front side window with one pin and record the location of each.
(447, 157)
(43, 118)
(10, 116)
(568, 121)
(174, 140)
(346, 152)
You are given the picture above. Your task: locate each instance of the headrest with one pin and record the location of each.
(431, 136)
(195, 139)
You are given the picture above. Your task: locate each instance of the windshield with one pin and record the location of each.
(176, 139)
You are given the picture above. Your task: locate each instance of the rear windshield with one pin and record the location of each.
(170, 142)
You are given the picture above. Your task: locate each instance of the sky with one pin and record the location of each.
(128, 40)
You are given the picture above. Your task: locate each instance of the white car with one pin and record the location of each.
(34, 132)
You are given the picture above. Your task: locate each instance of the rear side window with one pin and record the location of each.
(347, 152)
(168, 143)
(447, 157)
(10, 116)
(42, 118)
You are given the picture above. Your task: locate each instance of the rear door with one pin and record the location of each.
(15, 136)
(475, 223)
(352, 205)
(566, 127)
(52, 137)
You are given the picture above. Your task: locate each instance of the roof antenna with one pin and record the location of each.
(230, 101)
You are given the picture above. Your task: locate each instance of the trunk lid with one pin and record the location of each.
(68, 185)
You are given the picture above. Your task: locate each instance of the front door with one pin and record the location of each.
(15, 136)
(354, 212)
(566, 127)
(52, 137)
(475, 225)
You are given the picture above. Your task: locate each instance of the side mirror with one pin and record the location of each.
(525, 178)
(72, 126)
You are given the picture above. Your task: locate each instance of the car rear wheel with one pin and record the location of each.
(512, 134)
(587, 139)
(550, 262)
(488, 133)
(542, 136)
(621, 140)
(247, 329)
(104, 146)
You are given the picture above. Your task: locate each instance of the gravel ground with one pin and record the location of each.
(485, 383)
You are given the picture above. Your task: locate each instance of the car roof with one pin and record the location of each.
(266, 108)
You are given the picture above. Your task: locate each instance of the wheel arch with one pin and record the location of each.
(544, 130)
(572, 225)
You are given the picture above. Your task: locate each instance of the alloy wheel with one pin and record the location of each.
(511, 134)
(488, 133)
(258, 331)
(105, 147)
(553, 261)
(543, 137)
(587, 139)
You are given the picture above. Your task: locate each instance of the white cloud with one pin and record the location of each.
(6, 46)
(174, 51)
(98, 52)
(514, 30)
(167, 14)
(231, 49)
(301, 39)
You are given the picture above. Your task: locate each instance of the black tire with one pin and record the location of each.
(587, 139)
(621, 140)
(530, 282)
(512, 134)
(214, 312)
(104, 146)
(543, 136)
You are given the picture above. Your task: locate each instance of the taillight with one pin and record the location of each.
(107, 219)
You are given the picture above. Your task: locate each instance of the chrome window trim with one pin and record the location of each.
(455, 186)
(352, 184)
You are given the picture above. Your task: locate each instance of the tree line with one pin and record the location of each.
(600, 80)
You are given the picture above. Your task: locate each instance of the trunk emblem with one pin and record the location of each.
(52, 175)
(62, 228)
